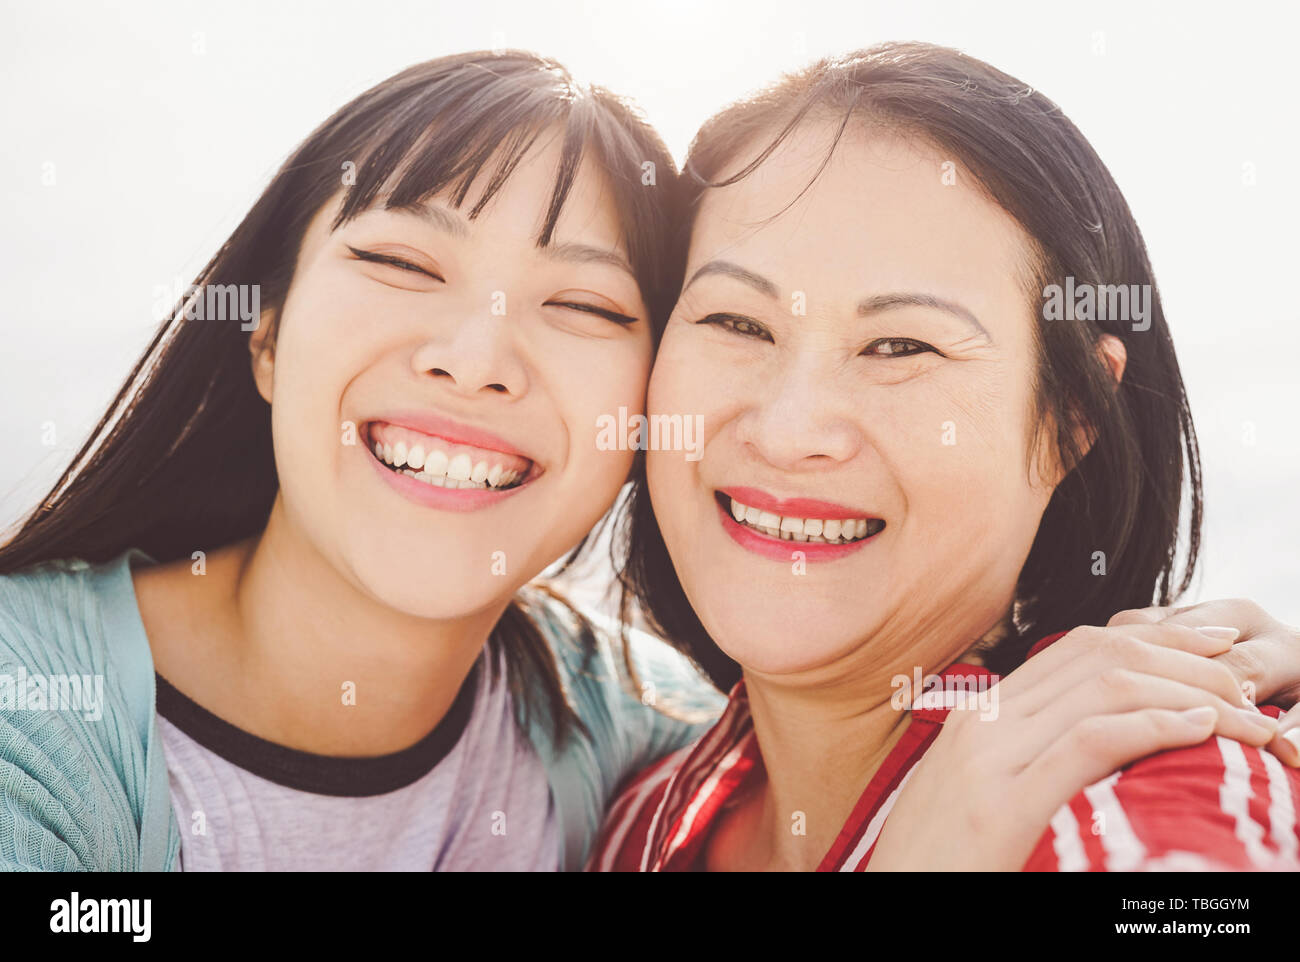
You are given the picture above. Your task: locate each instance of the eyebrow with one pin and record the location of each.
(587, 254)
(735, 272)
(450, 223)
(865, 308)
(884, 302)
(440, 217)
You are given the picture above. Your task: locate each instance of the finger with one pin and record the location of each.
(1286, 743)
(1246, 616)
(1255, 664)
(1139, 616)
(1178, 652)
(1119, 690)
(1122, 644)
(1102, 744)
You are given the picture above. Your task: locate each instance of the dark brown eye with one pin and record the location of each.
(738, 324)
(896, 347)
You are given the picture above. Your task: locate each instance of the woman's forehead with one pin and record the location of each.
(884, 209)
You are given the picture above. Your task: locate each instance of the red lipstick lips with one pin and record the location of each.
(779, 549)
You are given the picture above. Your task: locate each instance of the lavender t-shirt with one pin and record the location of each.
(472, 795)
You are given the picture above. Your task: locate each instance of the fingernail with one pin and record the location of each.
(1258, 719)
(1199, 716)
(1219, 633)
(1293, 736)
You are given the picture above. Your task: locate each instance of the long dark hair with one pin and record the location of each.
(1124, 496)
(182, 460)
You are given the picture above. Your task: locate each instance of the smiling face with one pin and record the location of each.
(473, 366)
(864, 366)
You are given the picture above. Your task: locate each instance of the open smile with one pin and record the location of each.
(774, 528)
(452, 469)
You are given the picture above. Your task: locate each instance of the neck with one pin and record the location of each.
(819, 751)
(317, 663)
(821, 745)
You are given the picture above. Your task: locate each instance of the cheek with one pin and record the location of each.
(965, 471)
(685, 382)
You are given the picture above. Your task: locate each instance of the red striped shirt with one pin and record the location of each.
(1216, 805)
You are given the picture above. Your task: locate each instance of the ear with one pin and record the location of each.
(261, 346)
(1111, 351)
(1115, 355)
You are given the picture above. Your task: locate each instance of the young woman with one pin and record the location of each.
(913, 469)
(313, 523)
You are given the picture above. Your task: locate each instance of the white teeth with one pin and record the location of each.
(460, 467)
(442, 469)
(436, 463)
(811, 530)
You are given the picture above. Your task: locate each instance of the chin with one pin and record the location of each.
(438, 595)
(777, 638)
(435, 584)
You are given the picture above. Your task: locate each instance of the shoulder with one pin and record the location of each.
(1219, 805)
(47, 613)
(628, 722)
(626, 833)
(593, 653)
(67, 736)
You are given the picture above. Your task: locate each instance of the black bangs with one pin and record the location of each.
(428, 134)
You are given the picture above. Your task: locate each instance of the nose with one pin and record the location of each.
(799, 425)
(474, 356)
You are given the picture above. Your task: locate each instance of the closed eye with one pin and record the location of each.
(738, 324)
(897, 347)
(375, 257)
(614, 316)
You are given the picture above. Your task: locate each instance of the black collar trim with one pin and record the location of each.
(319, 774)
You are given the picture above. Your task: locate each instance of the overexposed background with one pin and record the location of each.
(136, 135)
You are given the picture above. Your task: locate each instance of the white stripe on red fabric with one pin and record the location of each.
(1234, 798)
(1281, 809)
(718, 737)
(1124, 851)
(1180, 861)
(728, 762)
(1066, 843)
(863, 849)
(627, 812)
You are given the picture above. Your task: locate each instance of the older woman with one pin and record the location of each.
(915, 468)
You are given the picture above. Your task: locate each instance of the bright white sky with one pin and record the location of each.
(164, 120)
